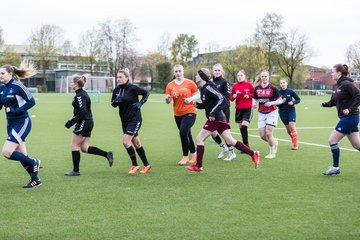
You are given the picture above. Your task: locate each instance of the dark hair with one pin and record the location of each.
(343, 68)
(204, 74)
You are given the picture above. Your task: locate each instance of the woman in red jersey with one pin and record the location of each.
(242, 93)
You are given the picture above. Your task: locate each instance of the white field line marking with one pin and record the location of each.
(300, 128)
(304, 143)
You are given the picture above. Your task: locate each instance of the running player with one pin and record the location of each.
(214, 102)
(17, 100)
(125, 97)
(84, 124)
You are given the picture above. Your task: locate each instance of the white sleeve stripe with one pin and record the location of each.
(26, 91)
(220, 96)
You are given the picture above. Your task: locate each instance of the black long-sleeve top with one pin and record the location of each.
(129, 93)
(212, 101)
(224, 88)
(82, 107)
(345, 95)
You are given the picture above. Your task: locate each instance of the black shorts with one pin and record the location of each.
(84, 128)
(243, 115)
(131, 128)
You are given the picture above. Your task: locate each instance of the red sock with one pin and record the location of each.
(294, 138)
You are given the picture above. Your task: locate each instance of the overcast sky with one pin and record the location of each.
(330, 25)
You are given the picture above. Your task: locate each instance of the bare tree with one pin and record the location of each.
(253, 58)
(292, 50)
(89, 46)
(268, 31)
(164, 45)
(118, 41)
(353, 55)
(67, 49)
(44, 45)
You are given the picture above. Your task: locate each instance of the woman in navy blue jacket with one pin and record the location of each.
(287, 111)
(17, 100)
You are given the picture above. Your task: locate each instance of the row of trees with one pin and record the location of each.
(111, 44)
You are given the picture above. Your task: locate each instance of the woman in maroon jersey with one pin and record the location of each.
(268, 97)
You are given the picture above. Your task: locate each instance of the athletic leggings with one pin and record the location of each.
(184, 124)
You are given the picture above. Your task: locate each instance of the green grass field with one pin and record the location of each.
(286, 198)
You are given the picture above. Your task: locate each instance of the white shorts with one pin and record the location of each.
(270, 118)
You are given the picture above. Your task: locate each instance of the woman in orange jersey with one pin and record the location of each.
(183, 92)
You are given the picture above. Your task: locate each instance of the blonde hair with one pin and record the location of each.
(218, 65)
(178, 65)
(80, 80)
(125, 71)
(25, 70)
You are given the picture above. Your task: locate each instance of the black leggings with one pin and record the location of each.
(184, 124)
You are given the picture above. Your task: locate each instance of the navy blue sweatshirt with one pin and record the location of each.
(290, 96)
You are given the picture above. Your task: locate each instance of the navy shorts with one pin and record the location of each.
(131, 128)
(18, 130)
(288, 116)
(348, 124)
(84, 128)
(243, 115)
(220, 127)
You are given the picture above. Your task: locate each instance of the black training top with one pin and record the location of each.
(82, 107)
(345, 95)
(212, 101)
(224, 88)
(125, 97)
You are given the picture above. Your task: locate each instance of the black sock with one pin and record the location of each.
(76, 160)
(217, 139)
(140, 151)
(132, 155)
(97, 151)
(244, 134)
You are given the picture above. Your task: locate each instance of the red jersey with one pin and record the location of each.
(242, 89)
(264, 95)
